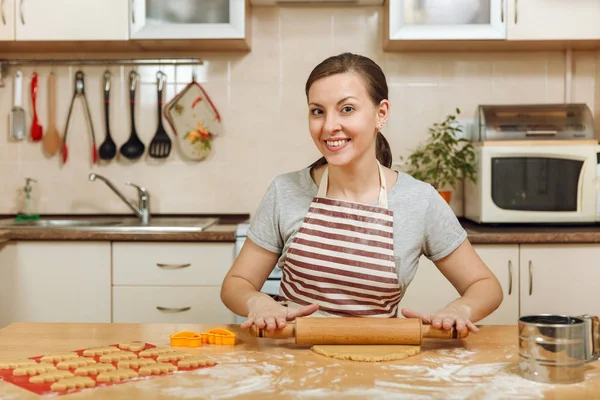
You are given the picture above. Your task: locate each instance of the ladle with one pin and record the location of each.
(133, 148)
(108, 148)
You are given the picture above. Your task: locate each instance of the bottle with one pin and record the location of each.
(28, 209)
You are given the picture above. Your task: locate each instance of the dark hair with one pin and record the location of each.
(375, 82)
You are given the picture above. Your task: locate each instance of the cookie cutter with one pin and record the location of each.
(192, 339)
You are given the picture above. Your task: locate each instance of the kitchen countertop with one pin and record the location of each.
(482, 366)
(4, 236)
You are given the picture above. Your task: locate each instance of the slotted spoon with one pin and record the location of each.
(160, 146)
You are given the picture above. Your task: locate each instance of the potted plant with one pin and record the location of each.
(444, 159)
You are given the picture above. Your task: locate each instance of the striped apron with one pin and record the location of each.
(342, 258)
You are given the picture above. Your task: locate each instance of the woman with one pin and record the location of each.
(348, 231)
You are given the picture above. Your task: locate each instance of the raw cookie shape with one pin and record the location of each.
(118, 356)
(98, 351)
(157, 369)
(75, 363)
(369, 353)
(94, 369)
(197, 361)
(137, 363)
(17, 363)
(117, 375)
(173, 356)
(56, 357)
(132, 346)
(79, 382)
(157, 351)
(31, 370)
(50, 377)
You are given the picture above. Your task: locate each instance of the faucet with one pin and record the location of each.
(143, 211)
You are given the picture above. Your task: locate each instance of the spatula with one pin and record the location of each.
(17, 113)
(51, 142)
(37, 131)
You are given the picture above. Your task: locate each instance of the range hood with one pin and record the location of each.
(318, 2)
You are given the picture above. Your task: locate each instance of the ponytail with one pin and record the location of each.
(383, 152)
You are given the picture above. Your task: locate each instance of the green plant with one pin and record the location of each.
(444, 158)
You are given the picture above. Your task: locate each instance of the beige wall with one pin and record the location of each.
(261, 98)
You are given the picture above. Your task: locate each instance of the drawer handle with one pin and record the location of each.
(173, 310)
(173, 266)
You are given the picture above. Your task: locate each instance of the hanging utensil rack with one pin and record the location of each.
(5, 64)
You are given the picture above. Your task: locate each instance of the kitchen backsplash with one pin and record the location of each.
(260, 96)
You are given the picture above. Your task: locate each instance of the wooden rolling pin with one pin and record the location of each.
(317, 330)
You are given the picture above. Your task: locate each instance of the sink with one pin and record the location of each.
(122, 224)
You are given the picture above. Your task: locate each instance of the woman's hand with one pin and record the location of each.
(263, 312)
(446, 318)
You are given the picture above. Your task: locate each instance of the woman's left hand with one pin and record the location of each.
(446, 318)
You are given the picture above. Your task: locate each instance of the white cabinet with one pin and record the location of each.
(170, 282)
(71, 20)
(48, 281)
(431, 291)
(446, 20)
(7, 20)
(560, 279)
(553, 19)
(188, 19)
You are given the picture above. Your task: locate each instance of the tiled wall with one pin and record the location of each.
(261, 97)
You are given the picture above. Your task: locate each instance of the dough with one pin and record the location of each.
(117, 375)
(157, 351)
(79, 382)
(193, 362)
(133, 346)
(34, 369)
(140, 362)
(117, 356)
(157, 369)
(55, 357)
(50, 377)
(98, 351)
(75, 363)
(17, 363)
(94, 369)
(173, 356)
(369, 353)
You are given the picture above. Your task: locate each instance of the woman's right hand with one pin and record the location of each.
(263, 312)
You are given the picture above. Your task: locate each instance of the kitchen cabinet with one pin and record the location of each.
(560, 279)
(54, 281)
(170, 282)
(553, 20)
(71, 20)
(430, 290)
(7, 20)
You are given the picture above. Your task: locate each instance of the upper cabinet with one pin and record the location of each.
(447, 20)
(7, 20)
(69, 20)
(553, 20)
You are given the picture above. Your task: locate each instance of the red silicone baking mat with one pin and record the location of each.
(43, 389)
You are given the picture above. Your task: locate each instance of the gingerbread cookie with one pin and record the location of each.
(197, 361)
(17, 363)
(50, 377)
(173, 356)
(75, 363)
(117, 375)
(98, 351)
(137, 363)
(157, 369)
(78, 382)
(34, 369)
(55, 357)
(118, 356)
(94, 369)
(157, 351)
(132, 346)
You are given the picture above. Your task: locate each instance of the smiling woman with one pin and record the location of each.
(348, 231)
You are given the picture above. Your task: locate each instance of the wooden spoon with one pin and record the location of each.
(51, 141)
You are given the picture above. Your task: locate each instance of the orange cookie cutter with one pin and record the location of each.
(192, 339)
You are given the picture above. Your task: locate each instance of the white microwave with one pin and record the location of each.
(534, 182)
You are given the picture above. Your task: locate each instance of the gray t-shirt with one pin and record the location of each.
(423, 222)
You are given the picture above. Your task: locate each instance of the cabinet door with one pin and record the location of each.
(553, 19)
(446, 20)
(188, 19)
(72, 20)
(7, 20)
(560, 279)
(49, 281)
(431, 291)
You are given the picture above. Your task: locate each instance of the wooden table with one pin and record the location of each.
(483, 366)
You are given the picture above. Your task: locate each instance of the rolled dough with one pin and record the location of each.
(370, 353)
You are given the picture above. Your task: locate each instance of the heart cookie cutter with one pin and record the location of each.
(192, 339)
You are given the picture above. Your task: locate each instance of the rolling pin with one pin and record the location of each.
(317, 330)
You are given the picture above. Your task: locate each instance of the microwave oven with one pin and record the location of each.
(548, 182)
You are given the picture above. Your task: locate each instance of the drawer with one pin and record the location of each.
(170, 305)
(166, 264)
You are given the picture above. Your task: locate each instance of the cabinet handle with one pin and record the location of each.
(173, 310)
(530, 277)
(510, 279)
(133, 11)
(2, 12)
(502, 11)
(21, 12)
(173, 266)
(516, 10)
